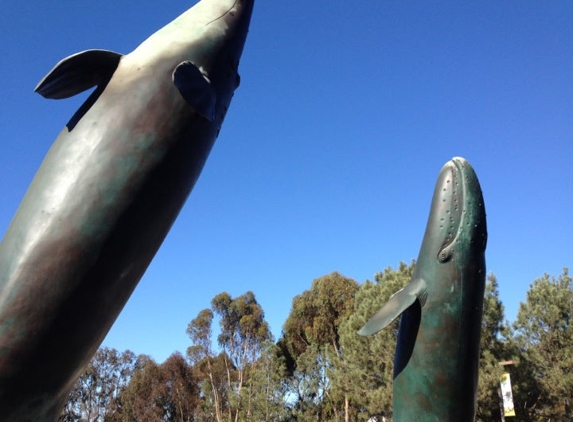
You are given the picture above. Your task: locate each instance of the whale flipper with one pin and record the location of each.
(195, 88)
(398, 303)
(78, 72)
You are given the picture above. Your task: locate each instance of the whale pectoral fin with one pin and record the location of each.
(398, 303)
(195, 88)
(77, 73)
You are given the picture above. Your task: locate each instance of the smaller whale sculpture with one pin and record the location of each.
(437, 351)
(107, 194)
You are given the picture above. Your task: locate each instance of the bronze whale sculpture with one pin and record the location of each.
(107, 194)
(437, 351)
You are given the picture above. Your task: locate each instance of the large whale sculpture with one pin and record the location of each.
(437, 351)
(106, 195)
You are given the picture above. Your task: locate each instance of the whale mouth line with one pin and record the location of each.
(446, 251)
(224, 14)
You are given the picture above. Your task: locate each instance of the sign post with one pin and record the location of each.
(505, 395)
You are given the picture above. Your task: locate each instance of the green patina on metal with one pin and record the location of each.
(107, 194)
(437, 354)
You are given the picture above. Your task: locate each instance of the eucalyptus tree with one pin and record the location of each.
(265, 390)
(311, 342)
(364, 374)
(243, 332)
(209, 366)
(166, 392)
(99, 386)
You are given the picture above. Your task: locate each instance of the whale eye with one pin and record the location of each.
(445, 254)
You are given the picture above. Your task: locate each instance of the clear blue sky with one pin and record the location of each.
(329, 154)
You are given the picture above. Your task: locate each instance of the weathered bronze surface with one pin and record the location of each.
(437, 354)
(106, 195)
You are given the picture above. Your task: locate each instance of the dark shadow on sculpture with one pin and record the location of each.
(88, 103)
(409, 326)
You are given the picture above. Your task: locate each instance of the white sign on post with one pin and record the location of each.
(508, 409)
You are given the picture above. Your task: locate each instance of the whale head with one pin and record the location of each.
(457, 222)
(453, 246)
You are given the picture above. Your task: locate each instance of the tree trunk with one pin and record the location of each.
(239, 388)
(215, 394)
(229, 386)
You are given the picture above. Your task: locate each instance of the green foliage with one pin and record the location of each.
(316, 313)
(309, 386)
(230, 380)
(212, 373)
(166, 392)
(311, 342)
(243, 326)
(320, 369)
(492, 352)
(199, 331)
(544, 339)
(265, 389)
(179, 387)
(141, 400)
(94, 397)
(364, 373)
(211, 369)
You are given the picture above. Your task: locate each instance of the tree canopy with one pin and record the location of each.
(320, 369)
